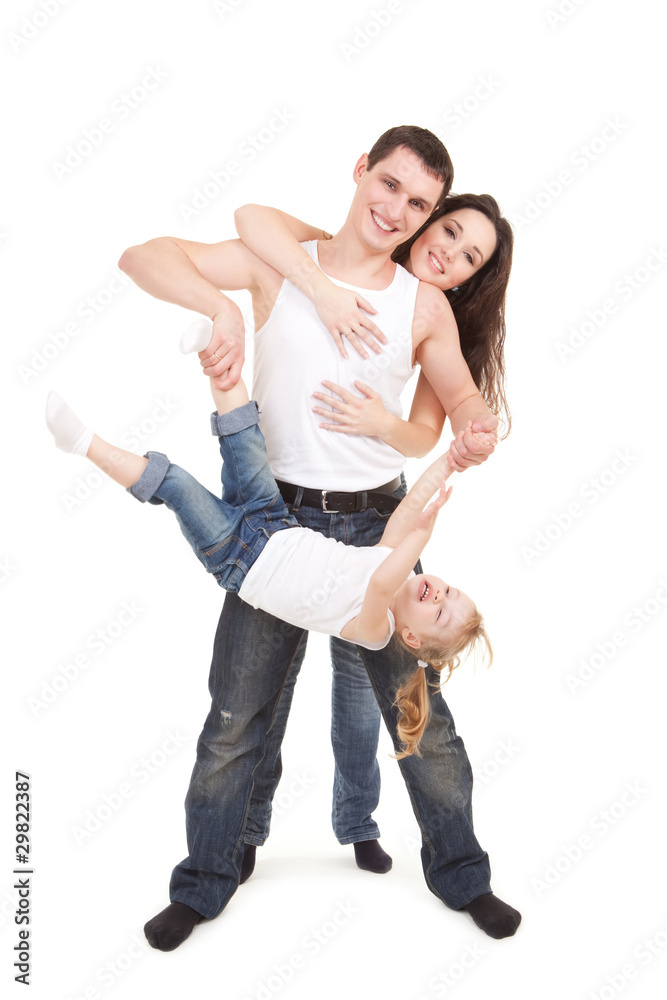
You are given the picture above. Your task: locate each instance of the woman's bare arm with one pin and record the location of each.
(276, 238)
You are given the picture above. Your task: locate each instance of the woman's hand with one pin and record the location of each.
(472, 446)
(345, 314)
(351, 414)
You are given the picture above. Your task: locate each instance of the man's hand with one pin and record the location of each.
(474, 443)
(223, 359)
(345, 315)
(351, 414)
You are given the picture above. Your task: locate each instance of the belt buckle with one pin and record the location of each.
(324, 502)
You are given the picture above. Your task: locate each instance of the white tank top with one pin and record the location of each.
(294, 352)
(314, 582)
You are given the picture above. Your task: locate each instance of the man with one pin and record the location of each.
(398, 185)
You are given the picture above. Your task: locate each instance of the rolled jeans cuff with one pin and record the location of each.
(151, 478)
(236, 420)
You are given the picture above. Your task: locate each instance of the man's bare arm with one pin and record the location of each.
(192, 275)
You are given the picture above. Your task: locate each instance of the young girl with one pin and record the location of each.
(253, 546)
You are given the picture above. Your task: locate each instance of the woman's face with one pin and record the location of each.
(452, 249)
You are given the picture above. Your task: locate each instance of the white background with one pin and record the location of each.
(551, 761)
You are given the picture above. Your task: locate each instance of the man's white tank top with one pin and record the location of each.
(294, 352)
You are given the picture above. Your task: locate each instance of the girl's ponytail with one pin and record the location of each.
(413, 699)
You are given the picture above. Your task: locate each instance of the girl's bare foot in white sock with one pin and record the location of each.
(70, 433)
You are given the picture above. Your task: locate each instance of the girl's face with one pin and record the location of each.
(452, 249)
(430, 611)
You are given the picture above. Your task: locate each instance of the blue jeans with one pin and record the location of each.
(228, 534)
(255, 659)
(355, 715)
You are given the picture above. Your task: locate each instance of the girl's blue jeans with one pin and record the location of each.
(226, 534)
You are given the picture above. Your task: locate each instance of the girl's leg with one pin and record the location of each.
(230, 400)
(207, 522)
(124, 467)
(197, 338)
(246, 477)
(73, 436)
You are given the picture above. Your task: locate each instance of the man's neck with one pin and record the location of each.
(344, 257)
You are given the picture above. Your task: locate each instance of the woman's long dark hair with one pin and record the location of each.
(479, 304)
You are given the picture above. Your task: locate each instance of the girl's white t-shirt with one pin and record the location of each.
(314, 582)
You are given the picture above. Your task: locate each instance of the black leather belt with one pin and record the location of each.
(332, 501)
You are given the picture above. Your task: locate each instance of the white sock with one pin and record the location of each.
(197, 336)
(70, 434)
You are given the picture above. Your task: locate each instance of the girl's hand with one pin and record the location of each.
(351, 414)
(345, 315)
(426, 519)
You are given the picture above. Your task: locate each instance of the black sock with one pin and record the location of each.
(495, 918)
(248, 865)
(370, 856)
(171, 926)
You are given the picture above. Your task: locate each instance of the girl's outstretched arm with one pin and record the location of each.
(275, 238)
(371, 622)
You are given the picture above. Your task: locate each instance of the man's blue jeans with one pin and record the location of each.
(255, 658)
(355, 715)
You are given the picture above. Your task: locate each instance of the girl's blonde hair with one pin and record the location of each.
(413, 699)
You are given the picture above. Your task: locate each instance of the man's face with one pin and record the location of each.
(393, 199)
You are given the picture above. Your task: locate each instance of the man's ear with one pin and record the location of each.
(360, 168)
(410, 638)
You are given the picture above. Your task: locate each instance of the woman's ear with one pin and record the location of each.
(410, 638)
